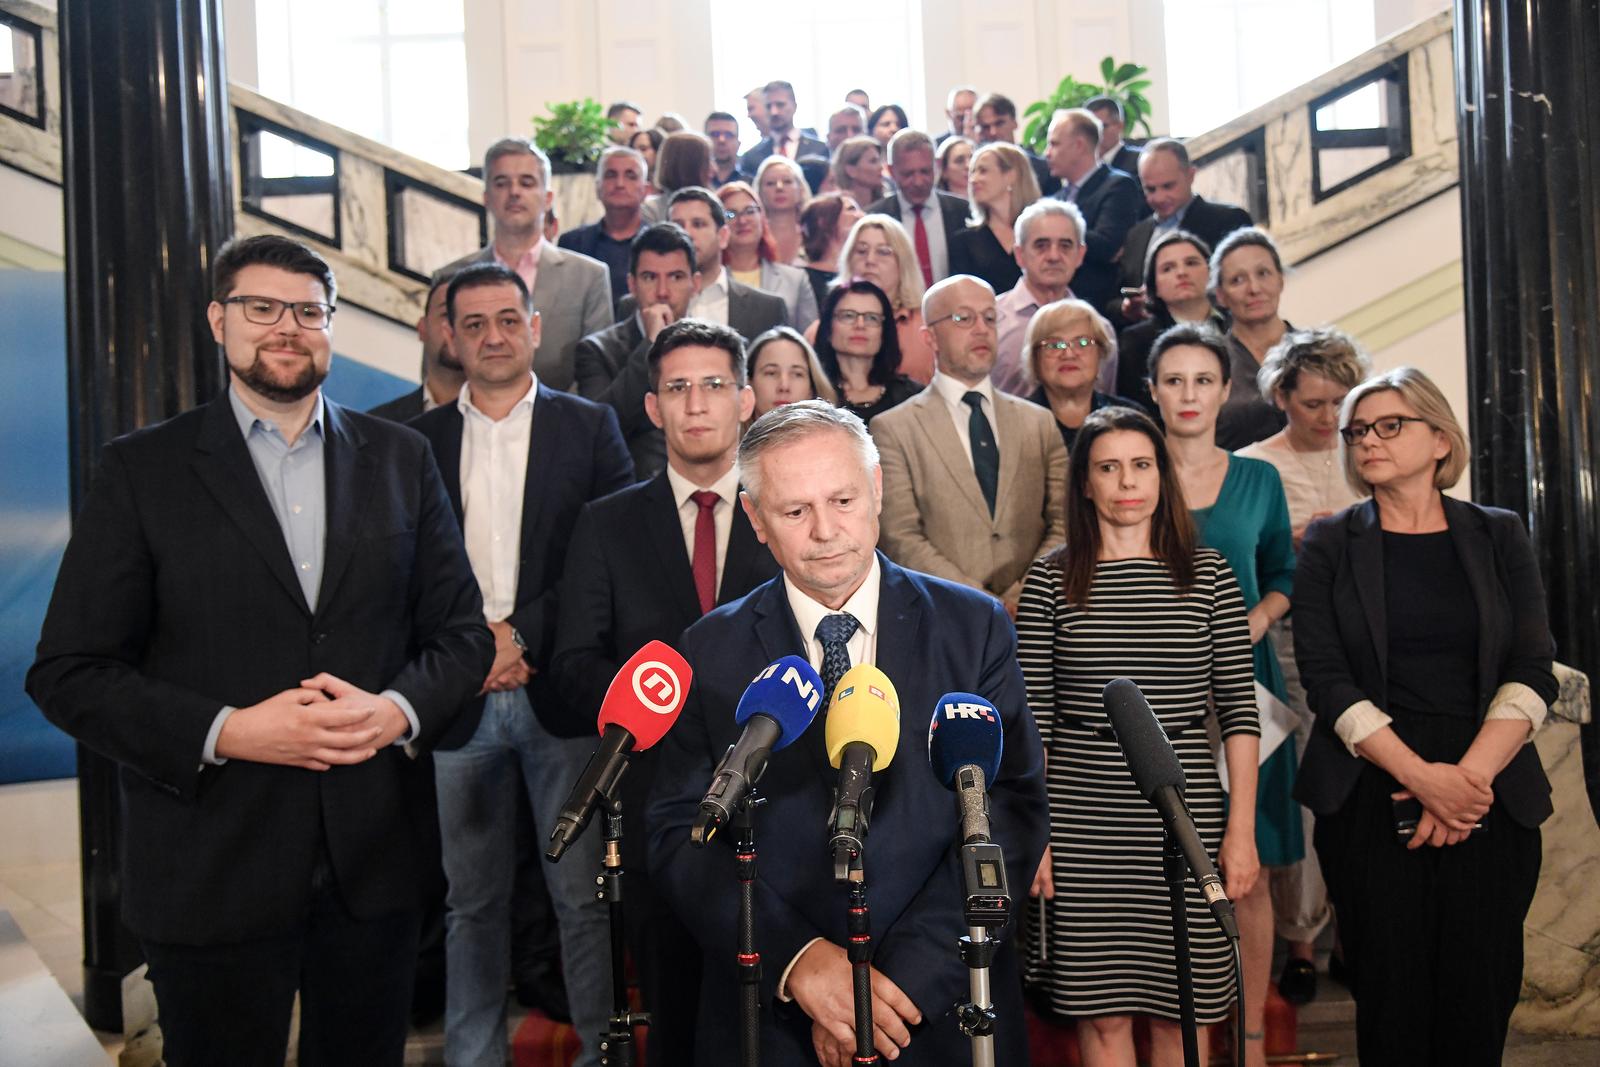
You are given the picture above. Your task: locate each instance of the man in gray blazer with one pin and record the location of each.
(973, 478)
(571, 292)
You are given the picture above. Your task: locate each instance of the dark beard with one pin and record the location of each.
(263, 384)
(447, 359)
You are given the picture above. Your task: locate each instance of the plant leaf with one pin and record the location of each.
(1107, 65)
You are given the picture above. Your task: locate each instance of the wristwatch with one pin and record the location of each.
(516, 639)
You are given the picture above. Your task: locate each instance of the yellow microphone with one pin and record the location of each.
(862, 732)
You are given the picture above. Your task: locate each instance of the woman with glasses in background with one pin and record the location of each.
(1065, 343)
(859, 350)
(750, 255)
(1422, 639)
(878, 250)
(781, 187)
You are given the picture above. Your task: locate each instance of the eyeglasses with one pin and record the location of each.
(266, 311)
(749, 212)
(1385, 428)
(965, 318)
(850, 317)
(1059, 348)
(715, 385)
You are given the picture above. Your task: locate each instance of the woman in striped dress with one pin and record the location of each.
(1132, 597)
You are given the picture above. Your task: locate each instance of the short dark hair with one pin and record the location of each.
(778, 85)
(818, 222)
(879, 112)
(620, 106)
(885, 363)
(1106, 103)
(699, 193)
(719, 116)
(662, 239)
(700, 332)
(1158, 306)
(481, 276)
(1196, 334)
(268, 250)
(999, 103)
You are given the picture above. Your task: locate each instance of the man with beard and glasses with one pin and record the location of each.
(441, 370)
(266, 607)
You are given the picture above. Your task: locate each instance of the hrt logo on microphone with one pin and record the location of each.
(793, 679)
(661, 683)
(969, 711)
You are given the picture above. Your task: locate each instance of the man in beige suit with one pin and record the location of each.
(972, 477)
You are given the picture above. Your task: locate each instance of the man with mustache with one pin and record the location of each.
(264, 610)
(973, 477)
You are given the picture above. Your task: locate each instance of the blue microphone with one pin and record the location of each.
(965, 742)
(776, 708)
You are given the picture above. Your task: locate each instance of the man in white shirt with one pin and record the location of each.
(929, 216)
(1048, 248)
(749, 311)
(518, 460)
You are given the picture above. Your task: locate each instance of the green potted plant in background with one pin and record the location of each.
(573, 135)
(1125, 83)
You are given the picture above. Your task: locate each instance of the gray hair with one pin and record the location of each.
(620, 150)
(909, 140)
(517, 146)
(794, 422)
(1048, 206)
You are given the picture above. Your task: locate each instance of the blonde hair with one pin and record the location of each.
(799, 176)
(1050, 318)
(908, 293)
(849, 153)
(1024, 186)
(1325, 350)
(1418, 391)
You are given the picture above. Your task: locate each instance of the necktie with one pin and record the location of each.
(924, 256)
(782, 145)
(985, 453)
(704, 563)
(835, 631)
(1069, 192)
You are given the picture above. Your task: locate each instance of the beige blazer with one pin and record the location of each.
(934, 516)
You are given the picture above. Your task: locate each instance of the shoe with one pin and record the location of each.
(545, 992)
(1298, 982)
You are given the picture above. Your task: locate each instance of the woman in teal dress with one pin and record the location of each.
(1243, 515)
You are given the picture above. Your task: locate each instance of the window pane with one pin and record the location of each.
(424, 17)
(428, 115)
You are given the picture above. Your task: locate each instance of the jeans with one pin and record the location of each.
(477, 797)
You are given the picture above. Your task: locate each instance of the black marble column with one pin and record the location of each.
(148, 195)
(1528, 100)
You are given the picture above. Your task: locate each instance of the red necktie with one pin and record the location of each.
(782, 144)
(924, 256)
(704, 563)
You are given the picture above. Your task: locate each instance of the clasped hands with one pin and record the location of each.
(821, 983)
(1455, 797)
(324, 722)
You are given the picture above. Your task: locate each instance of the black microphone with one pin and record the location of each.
(1159, 777)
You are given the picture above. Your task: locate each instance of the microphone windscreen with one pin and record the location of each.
(1144, 743)
(965, 729)
(788, 692)
(647, 694)
(865, 708)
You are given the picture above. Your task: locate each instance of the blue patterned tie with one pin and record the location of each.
(835, 631)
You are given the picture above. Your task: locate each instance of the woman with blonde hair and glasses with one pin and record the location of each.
(781, 187)
(1423, 643)
(879, 250)
(1001, 184)
(1065, 344)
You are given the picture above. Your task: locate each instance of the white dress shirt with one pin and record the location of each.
(711, 302)
(494, 469)
(727, 488)
(951, 392)
(933, 219)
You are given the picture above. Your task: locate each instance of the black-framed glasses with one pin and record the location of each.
(715, 385)
(1385, 428)
(1059, 348)
(849, 316)
(267, 311)
(966, 318)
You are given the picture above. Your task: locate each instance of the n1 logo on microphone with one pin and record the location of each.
(656, 686)
(793, 680)
(969, 711)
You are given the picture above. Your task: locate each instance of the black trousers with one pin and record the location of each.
(231, 1004)
(1433, 937)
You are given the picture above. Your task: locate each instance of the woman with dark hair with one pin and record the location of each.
(824, 225)
(1238, 509)
(1422, 639)
(1134, 597)
(684, 159)
(783, 368)
(1247, 283)
(648, 144)
(885, 122)
(859, 350)
(751, 255)
(1175, 271)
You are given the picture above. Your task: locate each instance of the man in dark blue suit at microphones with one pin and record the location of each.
(812, 491)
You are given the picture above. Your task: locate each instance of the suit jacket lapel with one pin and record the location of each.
(1366, 560)
(1006, 438)
(223, 464)
(780, 636)
(935, 419)
(447, 455)
(349, 488)
(674, 567)
(544, 454)
(1477, 559)
(744, 549)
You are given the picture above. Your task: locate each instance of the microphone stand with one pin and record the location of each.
(1177, 874)
(749, 960)
(616, 1041)
(858, 925)
(988, 906)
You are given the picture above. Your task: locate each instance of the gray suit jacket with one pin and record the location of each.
(934, 516)
(612, 368)
(573, 298)
(794, 287)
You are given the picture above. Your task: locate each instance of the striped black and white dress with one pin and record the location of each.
(1104, 945)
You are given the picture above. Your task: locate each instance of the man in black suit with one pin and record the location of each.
(263, 600)
(720, 299)
(620, 181)
(996, 120)
(645, 563)
(849, 121)
(723, 130)
(441, 371)
(781, 135)
(911, 163)
(1114, 151)
(1167, 177)
(1108, 198)
(813, 490)
(518, 460)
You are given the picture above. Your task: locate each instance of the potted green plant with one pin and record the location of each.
(572, 135)
(1124, 82)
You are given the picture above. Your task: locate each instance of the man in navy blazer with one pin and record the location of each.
(782, 135)
(1108, 198)
(518, 460)
(813, 490)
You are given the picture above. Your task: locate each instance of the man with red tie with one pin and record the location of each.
(644, 564)
(783, 137)
(929, 216)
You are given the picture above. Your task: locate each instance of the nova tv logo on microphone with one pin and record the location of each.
(656, 686)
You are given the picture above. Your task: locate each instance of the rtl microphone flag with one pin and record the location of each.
(865, 710)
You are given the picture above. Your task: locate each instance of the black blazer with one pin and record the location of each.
(575, 454)
(976, 251)
(1109, 200)
(177, 596)
(934, 637)
(1341, 639)
(751, 161)
(402, 408)
(1207, 221)
(952, 209)
(612, 368)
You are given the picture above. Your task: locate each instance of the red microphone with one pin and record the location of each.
(641, 705)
